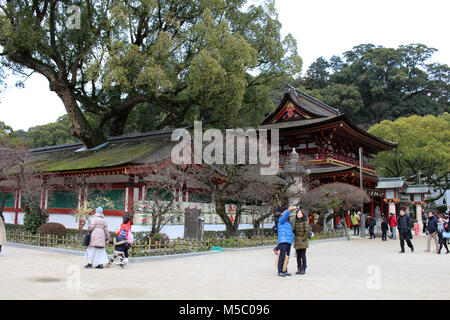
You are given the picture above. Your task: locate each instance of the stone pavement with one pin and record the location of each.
(356, 269)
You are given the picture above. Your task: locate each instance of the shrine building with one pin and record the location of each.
(119, 168)
(330, 141)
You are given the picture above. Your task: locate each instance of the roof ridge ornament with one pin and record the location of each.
(83, 149)
(292, 89)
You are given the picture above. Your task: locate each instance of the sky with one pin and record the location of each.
(321, 28)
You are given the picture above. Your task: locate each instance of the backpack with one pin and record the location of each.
(121, 237)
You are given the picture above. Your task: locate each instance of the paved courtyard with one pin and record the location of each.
(356, 269)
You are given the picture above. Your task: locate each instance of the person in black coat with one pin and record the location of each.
(371, 222)
(432, 231)
(424, 221)
(384, 230)
(404, 229)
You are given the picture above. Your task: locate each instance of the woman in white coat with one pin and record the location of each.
(2, 233)
(96, 252)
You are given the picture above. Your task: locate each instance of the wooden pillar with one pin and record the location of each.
(371, 206)
(16, 207)
(347, 218)
(130, 193)
(130, 199)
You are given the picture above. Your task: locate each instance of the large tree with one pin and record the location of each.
(211, 60)
(373, 83)
(423, 153)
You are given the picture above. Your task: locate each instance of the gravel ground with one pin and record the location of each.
(356, 269)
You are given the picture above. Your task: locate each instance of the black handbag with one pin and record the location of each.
(87, 239)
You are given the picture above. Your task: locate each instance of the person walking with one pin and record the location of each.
(127, 221)
(393, 225)
(384, 230)
(355, 222)
(371, 223)
(424, 222)
(301, 235)
(432, 232)
(285, 239)
(442, 226)
(120, 246)
(404, 230)
(96, 252)
(2, 233)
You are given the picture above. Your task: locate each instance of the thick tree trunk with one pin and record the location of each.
(58, 83)
(257, 221)
(119, 121)
(81, 127)
(347, 234)
(220, 211)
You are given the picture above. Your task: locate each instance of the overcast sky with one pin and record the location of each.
(321, 28)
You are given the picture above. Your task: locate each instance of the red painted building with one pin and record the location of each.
(330, 141)
(327, 138)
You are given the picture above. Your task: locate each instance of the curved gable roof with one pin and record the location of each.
(305, 104)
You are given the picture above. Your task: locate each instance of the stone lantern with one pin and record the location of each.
(296, 171)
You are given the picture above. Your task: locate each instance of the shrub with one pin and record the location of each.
(33, 220)
(53, 228)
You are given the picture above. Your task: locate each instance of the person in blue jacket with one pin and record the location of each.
(285, 239)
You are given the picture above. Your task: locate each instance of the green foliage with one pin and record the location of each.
(176, 61)
(5, 129)
(371, 84)
(33, 219)
(9, 137)
(424, 144)
(344, 97)
(51, 134)
(318, 74)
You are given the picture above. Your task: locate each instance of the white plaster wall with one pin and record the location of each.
(67, 220)
(9, 217)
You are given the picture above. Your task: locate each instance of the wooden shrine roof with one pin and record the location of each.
(131, 149)
(304, 106)
(418, 188)
(300, 113)
(390, 183)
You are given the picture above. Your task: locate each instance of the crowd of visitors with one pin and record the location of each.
(435, 227)
(294, 229)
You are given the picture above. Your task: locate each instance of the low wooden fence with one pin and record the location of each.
(44, 240)
(144, 248)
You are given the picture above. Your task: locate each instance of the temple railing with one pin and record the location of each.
(338, 158)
